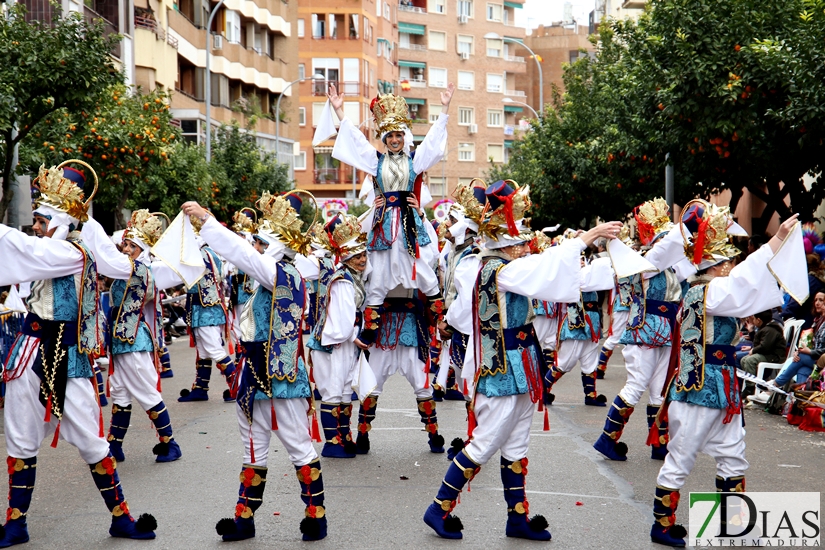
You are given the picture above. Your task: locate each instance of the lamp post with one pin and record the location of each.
(316, 76)
(443, 166)
(494, 36)
(208, 94)
(512, 101)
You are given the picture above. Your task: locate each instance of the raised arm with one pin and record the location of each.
(351, 147)
(432, 149)
(27, 258)
(111, 262)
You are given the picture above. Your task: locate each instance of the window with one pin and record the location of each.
(465, 7)
(494, 12)
(437, 6)
(300, 28)
(466, 152)
(233, 27)
(465, 181)
(436, 185)
(317, 112)
(495, 118)
(495, 152)
(434, 111)
(302, 71)
(466, 116)
(387, 11)
(494, 47)
(438, 41)
(466, 80)
(301, 161)
(352, 110)
(495, 83)
(319, 25)
(378, 8)
(438, 78)
(302, 116)
(464, 44)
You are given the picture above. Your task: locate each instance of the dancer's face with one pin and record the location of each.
(131, 249)
(358, 262)
(395, 142)
(41, 225)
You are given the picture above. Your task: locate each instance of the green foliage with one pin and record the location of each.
(46, 67)
(734, 91)
(186, 177)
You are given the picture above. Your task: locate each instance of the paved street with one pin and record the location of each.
(368, 503)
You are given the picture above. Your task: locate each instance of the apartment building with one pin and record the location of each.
(253, 60)
(352, 45)
(617, 9)
(473, 44)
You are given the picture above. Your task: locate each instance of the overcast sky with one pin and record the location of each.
(544, 12)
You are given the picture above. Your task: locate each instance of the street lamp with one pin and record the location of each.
(212, 15)
(510, 100)
(443, 165)
(494, 36)
(316, 76)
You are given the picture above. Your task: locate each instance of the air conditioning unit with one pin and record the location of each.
(472, 129)
(463, 19)
(414, 108)
(217, 42)
(464, 55)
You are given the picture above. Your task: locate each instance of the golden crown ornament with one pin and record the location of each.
(54, 190)
(145, 226)
(391, 114)
(243, 223)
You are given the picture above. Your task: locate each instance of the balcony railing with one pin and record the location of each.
(321, 87)
(108, 27)
(418, 83)
(414, 47)
(514, 58)
(516, 93)
(414, 9)
(327, 175)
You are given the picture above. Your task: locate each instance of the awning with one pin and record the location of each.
(415, 101)
(513, 109)
(412, 64)
(508, 143)
(411, 28)
(513, 5)
(514, 39)
(323, 150)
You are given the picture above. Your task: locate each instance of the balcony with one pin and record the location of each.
(109, 28)
(634, 4)
(321, 87)
(418, 83)
(515, 93)
(412, 9)
(341, 175)
(514, 58)
(413, 47)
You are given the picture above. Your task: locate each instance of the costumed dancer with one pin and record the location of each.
(703, 403)
(504, 354)
(274, 394)
(49, 380)
(580, 329)
(654, 299)
(334, 345)
(206, 317)
(397, 234)
(241, 286)
(135, 328)
(546, 322)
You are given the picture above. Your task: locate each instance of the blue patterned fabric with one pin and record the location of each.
(322, 299)
(647, 326)
(316, 290)
(403, 322)
(142, 336)
(204, 301)
(575, 326)
(546, 309)
(624, 295)
(65, 298)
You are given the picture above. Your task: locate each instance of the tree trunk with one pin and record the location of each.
(120, 223)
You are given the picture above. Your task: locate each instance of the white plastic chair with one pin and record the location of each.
(793, 330)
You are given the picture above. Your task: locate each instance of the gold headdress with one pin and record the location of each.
(505, 208)
(243, 222)
(345, 236)
(145, 226)
(652, 218)
(470, 200)
(707, 225)
(281, 218)
(540, 242)
(391, 114)
(197, 223)
(55, 190)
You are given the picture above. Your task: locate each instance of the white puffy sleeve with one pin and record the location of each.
(340, 324)
(237, 250)
(165, 276)
(111, 262)
(27, 258)
(308, 267)
(351, 147)
(460, 314)
(750, 288)
(669, 251)
(431, 150)
(553, 275)
(597, 275)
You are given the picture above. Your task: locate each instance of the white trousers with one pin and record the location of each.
(134, 377)
(236, 322)
(693, 430)
(394, 267)
(333, 372)
(646, 370)
(209, 342)
(547, 330)
(23, 413)
(293, 430)
(503, 424)
(618, 322)
(403, 359)
(571, 352)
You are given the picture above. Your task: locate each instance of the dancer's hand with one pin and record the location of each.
(609, 230)
(192, 208)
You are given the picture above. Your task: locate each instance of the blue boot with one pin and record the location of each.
(591, 398)
(345, 427)
(732, 509)
(659, 450)
(608, 443)
(201, 386)
(101, 387)
(167, 449)
(438, 515)
(121, 416)
(250, 498)
(227, 368)
(123, 525)
(452, 393)
(665, 530)
(513, 479)
(334, 441)
(601, 366)
(366, 414)
(553, 375)
(22, 475)
(426, 410)
(314, 524)
(165, 363)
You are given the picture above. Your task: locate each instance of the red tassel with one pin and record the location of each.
(100, 421)
(465, 391)
(48, 409)
(541, 405)
(427, 374)
(191, 339)
(471, 423)
(458, 499)
(413, 272)
(231, 347)
(57, 435)
(469, 489)
(316, 433)
(546, 420)
(251, 449)
(274, 420)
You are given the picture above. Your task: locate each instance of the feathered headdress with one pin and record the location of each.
(540, 242)
(61, 188)
(505, 211)
(470, 200)
(345, 237)
(708, 227)
(245, 220)
(390, 113)
(145, 228)
(652, 218)
(281, 216)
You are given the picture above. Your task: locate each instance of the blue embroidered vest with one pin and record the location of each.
(624, 296)
(204, 301)
(241, 287)
(651, 316)
(318, 329)
(130, 330)
(317, 291)
(583, 319)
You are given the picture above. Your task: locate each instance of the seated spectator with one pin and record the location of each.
(768, 344)
(746, 335)
(804, 360)
(816, 283)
